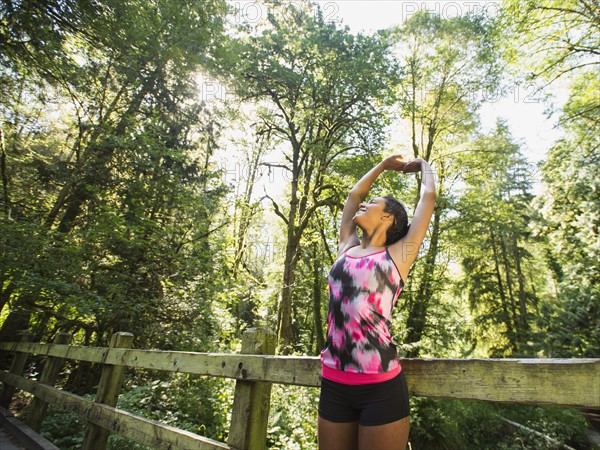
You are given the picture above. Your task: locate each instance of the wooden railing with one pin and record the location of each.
(567, 382)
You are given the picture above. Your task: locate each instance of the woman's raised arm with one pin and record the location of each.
(405, 251)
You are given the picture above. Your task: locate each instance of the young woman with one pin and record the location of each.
(364, 398)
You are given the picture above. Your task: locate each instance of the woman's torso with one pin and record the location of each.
(363, 290)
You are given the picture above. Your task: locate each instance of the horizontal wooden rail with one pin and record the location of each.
(303, 371)
(137, 428)
(566, 382)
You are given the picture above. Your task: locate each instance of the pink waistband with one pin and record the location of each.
(339, 376)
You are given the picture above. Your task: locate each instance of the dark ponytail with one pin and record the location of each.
(399, 227)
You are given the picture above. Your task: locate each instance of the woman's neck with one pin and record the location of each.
(375, 239)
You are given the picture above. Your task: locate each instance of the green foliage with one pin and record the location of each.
(558, 41)
(293, 418)
(118, 442)
(492, 228)
(447, 64)
(452, 424)
(64, 429)
(565, 425)
(431, 427)
(569, 219)
(196, 404)
(115, 200)
(552, 38)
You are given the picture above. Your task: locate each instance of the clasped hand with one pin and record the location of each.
(397, 162)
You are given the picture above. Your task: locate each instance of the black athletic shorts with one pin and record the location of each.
(370, 404)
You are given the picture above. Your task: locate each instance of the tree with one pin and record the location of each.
(492, 233)
(569, 218)
(560, 41)
(123, 73)
(448, 64)
(555, 38)
(321, 89)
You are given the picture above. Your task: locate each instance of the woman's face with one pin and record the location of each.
(371, 213)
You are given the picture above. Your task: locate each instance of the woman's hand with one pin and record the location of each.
(414, 165)
(394, 162)
(397, 162)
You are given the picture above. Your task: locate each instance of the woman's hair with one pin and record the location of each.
(399, 226)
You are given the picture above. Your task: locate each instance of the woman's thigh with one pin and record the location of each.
(337, 435)
(391, 436)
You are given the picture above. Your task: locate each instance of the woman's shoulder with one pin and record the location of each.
(344, 247)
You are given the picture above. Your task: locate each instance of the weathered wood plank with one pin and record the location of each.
(568, 382)
(252, 399)
(17, 366)
(109, 388)
(90, 354)
(136, 428)
(298, 370)
(36, 411)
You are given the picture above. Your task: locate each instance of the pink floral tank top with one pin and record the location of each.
(362, 293)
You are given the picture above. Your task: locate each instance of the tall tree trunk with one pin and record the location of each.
(3, 171)
(285, 331)
(317, 299)
(507, 319)
(245, 211)
(413, 111)
(522, 295)
(509, 284)
(417, 317)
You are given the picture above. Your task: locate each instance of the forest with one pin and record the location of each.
(177, 169)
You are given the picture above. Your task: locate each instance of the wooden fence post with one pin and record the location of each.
(252, 400)
(17, 367)
(108, 391)
(37, 409)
